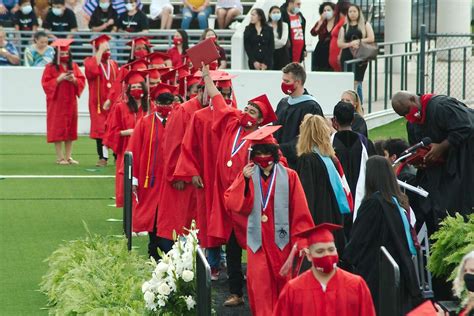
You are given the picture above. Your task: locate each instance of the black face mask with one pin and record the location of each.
(469, 280)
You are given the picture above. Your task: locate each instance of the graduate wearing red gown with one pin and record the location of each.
(324, 290)
(122, 120)
(63, 82)
(268, 249)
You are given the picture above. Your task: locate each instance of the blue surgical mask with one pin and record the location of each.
(57, 11)
(329, 15)
(275, 17)
(296, 10)
(26, 9)
(104, 5)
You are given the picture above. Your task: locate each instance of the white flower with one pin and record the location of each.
(145, 286)
(149, 298)
(188, 275)
(161, 302)
(162, 267)
(190, 302)
(164, 289)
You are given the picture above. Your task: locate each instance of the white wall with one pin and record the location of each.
(23, 102)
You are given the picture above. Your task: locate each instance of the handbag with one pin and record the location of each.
(365, 51)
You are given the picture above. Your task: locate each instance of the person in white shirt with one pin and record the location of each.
(164, 10)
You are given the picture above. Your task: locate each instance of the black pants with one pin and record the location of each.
(156, 242)
(234, 266)
(100, 150)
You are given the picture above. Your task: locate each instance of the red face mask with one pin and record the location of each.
(64, 58)
(325, 264)
(228, 101)
(140, 53)
(163, 110)
(264, 161)
(414, 116)
(288, 88)
(247, 120)
(214, 39)
(177, 41)
(105, 56)
(136, 93)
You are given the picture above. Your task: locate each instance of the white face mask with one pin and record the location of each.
(329, 15)
(104, 5)
(130, 6)
(26, 9)
(296, 10)
(276, 17)
(57, 11)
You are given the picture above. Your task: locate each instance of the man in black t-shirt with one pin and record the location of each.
(103, 18)
(134, 20)
(60, 19)
(25, 18)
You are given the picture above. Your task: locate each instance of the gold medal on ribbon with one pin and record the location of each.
(264, 218)
(229, 163)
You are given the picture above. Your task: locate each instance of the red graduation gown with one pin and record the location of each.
(147, 148)
(120, 118)
(177, 59)
(98, 92)
(198, 157)
(116, 91)
(346, 294)
(264, 282)
(61, 103)
(177, 208)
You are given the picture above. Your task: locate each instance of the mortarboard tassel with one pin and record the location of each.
(98, 95)
(155, 152)
(149, 153)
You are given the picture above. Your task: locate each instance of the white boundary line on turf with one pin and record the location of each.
(51, 177)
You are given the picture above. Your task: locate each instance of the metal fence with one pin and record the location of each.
(161, 40)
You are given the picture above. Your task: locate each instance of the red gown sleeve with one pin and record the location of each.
(48, 81)
(366, 305)
(222, 113)
(238, 197)
(300, 216)
(115, 126)
(172, 141)
(283, 305)
(188, 166)
(91, 68)
(81, 80)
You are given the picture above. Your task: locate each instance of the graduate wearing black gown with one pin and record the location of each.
(450, 125)
(380, 223)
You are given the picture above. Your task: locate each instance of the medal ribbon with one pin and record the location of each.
(106, 74)
(266, 197)
(239, 146)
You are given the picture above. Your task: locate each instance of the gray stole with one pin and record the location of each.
(280, 206)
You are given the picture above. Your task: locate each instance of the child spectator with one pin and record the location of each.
(134, 20)
(60, 19)
(25, 18)
(103, 18)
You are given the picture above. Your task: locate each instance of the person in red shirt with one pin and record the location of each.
(325, 289)
(180, 46)
(100, 72)
(63, 82)
(291, 14)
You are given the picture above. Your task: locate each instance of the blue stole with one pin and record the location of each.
(406, 227)
(301, 98)
(336, 183)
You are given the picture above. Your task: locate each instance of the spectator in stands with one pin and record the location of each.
(7, 9)
(322, 29)
(25, 18)
(103, 18)
(222, 61)
(281, 56)
(117, 5)
(334, 50)
(162, 9)
(180, 45)
(76, 6)
(259, 42)
(358, 125)
(60, 19)
(134, 20)
(354, 32)
(291, 14)
(227, 11)
(41, 8)
(193, 9)
(39, 54)
(9, 55)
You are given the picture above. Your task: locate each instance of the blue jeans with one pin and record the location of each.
(359, 92)
(214, 257)
(189, 15)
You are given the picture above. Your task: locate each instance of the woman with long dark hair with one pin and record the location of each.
(63, 82)
(383, 220)
(281, 55)
(322, 29)
(259, 42)
(180, 46)
(222, 61)
(122, 120)
(334, 50)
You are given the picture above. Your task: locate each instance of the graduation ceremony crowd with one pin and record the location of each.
(310, 199)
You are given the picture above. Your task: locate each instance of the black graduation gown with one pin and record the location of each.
(378, 223)
(291, 116)
(450, 185)
(359, 125)
(320, 195)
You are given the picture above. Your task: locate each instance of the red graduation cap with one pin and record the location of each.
(170, 75)
(183, 71)
(99, 40)
(62, 43)
(263, 135)
(157, 58)
(266, 109)
(134, 76)
(203, 52)
(318, 233)
(138, 64)
(154, 73)
(425, 309)
(139, 40)
(192, 80)
(223, 80)
(163, 88)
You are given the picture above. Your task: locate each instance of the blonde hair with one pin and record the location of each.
(360, 20)
(458, 284)
(314, 132)
(355, 97)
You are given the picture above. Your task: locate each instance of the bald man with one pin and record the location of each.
(447, 172)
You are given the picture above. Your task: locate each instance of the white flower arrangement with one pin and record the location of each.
(172, 287)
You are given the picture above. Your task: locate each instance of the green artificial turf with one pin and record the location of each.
(36, 215)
